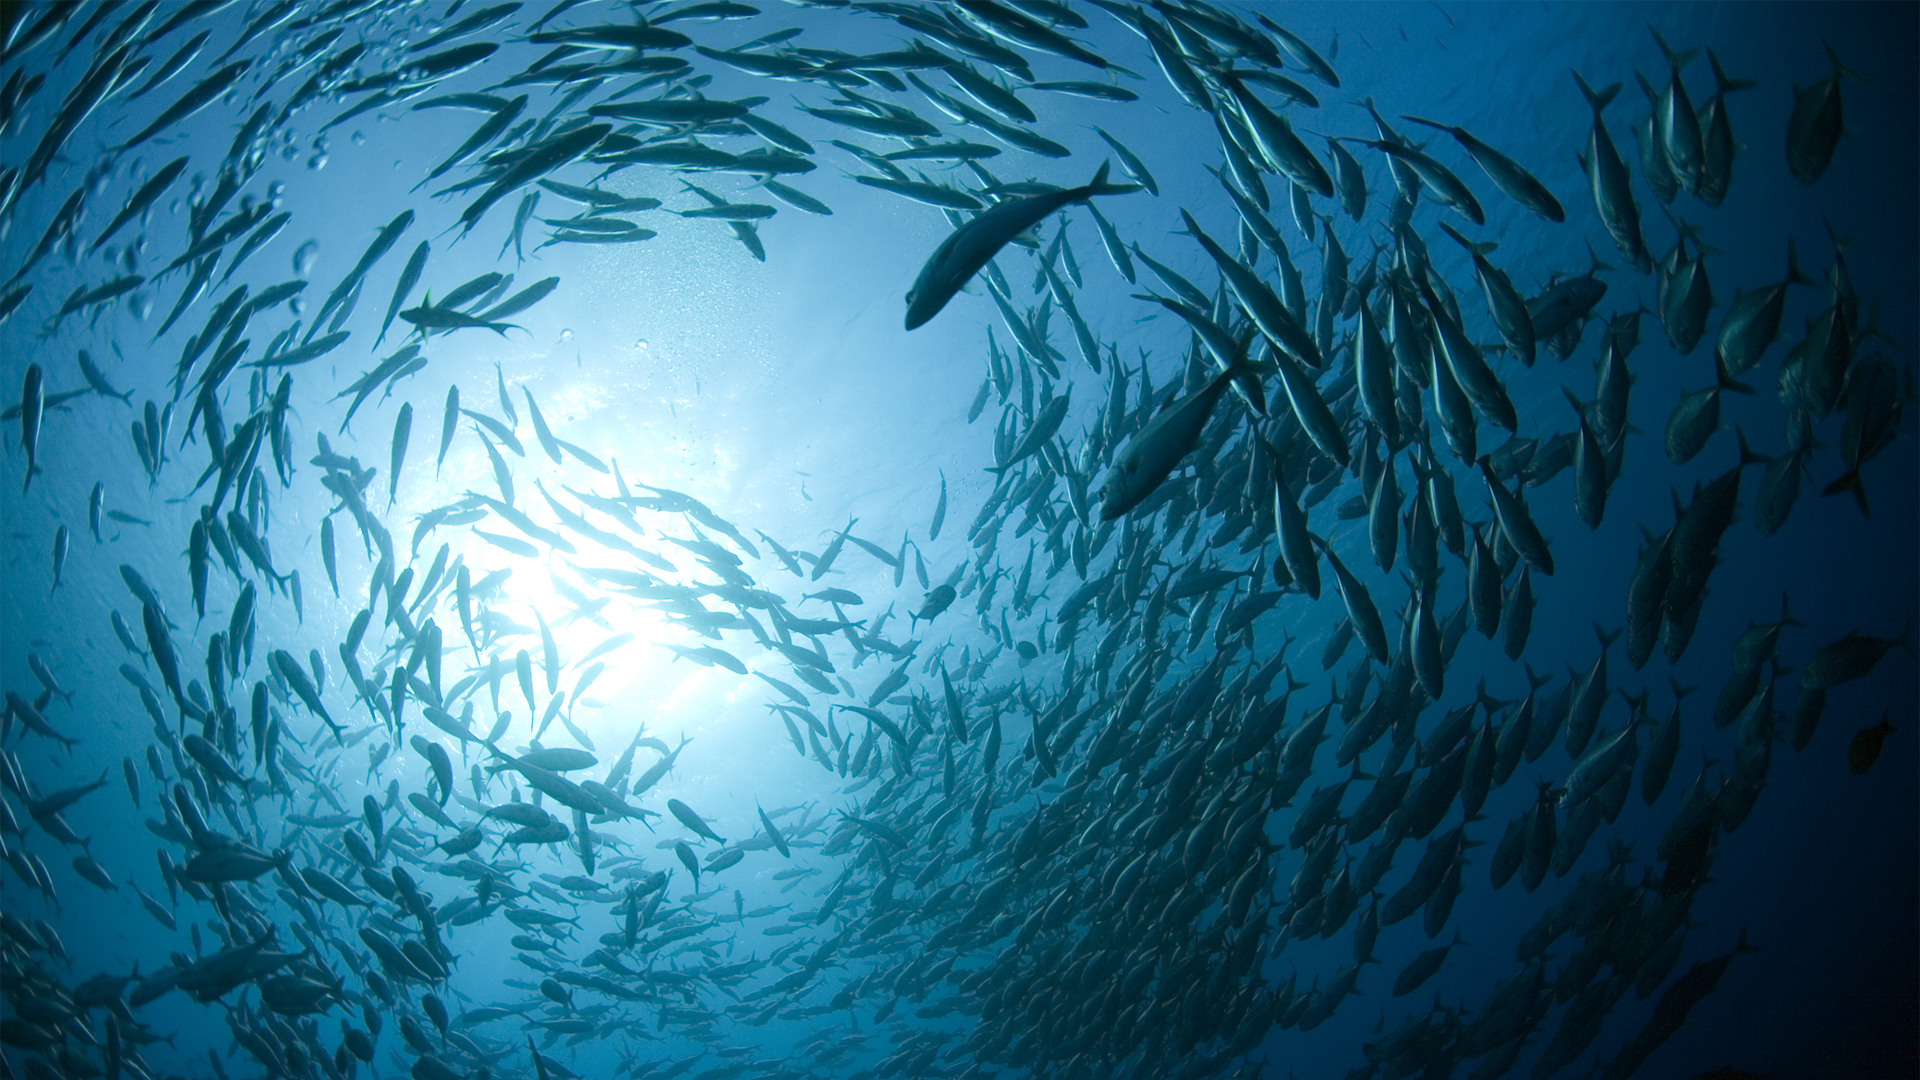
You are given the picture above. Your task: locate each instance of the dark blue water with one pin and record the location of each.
(784, 395)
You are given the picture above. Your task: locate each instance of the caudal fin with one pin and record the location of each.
(1725, 378)
(1724, 84)
(1099, 185)
(1850, 481)
(1597, 100)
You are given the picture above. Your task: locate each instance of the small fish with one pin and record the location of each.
(1865, 748)
(32, 402)
(142, 198)
(59, 557)
(202, 94)
(692, 820)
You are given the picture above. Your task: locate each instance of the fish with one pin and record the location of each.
(1849, 658)
(32, 402)
(1611, 184)
(383, 242)
(1816, 123)
(1866, 745)
(1157, 449)
(1718, 147)
(402, 427)
(409, 277)
(1013, 25)
(142, 198)
(973, 245)
(1516, 522)
(1446, 187)
(692, 821)
(1273, 135)
(937, 601)
(202, 94)
(1510, 312)
(1506, 174)
(1752, 322)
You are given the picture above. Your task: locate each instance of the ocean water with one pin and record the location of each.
(783, 394)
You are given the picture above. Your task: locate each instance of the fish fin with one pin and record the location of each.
(1873, 326)
(1840, 243)
(1724, 84)
(1725, 378)
(1747, 456)
(1794, 276)
(1653, 96)
(1606, 639)
(1579, 406)
(1448, 128)
(1840, 70)
(1595, 264)
(1478, 249)
(1850, 481)
(1099, 185)
(1675, 60)
(1597, 100)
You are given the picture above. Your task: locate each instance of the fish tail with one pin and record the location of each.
(1099, 186)
(1722, 82)
(1725, 378)
(1794, 275)
(1606, 639)
(1579, 407)
(1653, 96)
(1598, 100)
(1850, 481)
(1786, 615)
(1840, 70)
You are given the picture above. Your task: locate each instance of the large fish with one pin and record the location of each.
(973, 245)
(1156, 450)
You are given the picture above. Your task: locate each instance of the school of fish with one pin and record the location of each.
(1092, 866)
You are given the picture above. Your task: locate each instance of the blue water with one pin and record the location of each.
(785, 396)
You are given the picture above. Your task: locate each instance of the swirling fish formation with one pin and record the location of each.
(1097, 873)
